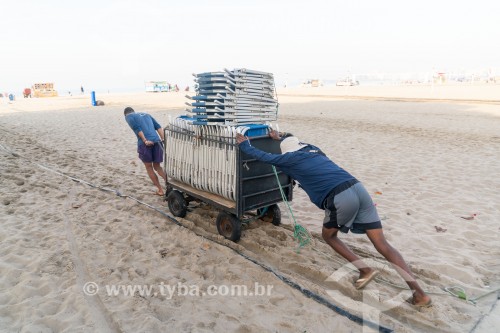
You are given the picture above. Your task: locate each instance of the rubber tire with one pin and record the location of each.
(177, 204)
(273, 212)
(229, 226)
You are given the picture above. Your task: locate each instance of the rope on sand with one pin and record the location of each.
(308, 293)
(299, 232)
(459, 292)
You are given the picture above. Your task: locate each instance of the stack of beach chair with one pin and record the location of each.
(203, 156)
(236, 97)
(200, 148)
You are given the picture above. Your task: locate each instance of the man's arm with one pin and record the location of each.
(275, 159)
(143, 138)
(158, 128)
(134, 125)
(160, 133)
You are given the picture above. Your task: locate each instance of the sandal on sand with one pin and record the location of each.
(425, 305)
(361, 283)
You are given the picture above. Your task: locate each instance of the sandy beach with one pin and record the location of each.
(428, 155)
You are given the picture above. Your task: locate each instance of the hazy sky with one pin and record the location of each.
(118, 45)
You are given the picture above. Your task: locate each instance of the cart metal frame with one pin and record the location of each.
(256, 189)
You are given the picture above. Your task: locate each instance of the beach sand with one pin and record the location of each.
(427, 158)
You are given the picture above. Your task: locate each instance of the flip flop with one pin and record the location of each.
(361, 283)
(426, 305)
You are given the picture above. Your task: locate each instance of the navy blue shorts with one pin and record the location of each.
(151, 154)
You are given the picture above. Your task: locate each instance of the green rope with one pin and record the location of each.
(299, 232)
(459, 292)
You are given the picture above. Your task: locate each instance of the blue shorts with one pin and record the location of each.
(151, 154)
(351, 209)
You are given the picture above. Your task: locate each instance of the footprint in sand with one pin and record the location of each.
(278, 234)
(266, 243)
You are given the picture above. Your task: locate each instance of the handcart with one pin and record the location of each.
(256, 188)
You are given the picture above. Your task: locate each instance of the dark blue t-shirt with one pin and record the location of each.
(139, 121)
(316, 174)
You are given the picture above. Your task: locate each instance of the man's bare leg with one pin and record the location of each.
(154, 177)
(378, 239)
(330, 236)
(159, 170)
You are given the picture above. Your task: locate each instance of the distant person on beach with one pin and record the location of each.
(149, 144)
(347, 205)
(81, 89)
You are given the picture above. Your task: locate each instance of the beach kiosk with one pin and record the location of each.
(44, 90)
(157, 86)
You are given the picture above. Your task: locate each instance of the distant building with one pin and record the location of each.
(43, 90)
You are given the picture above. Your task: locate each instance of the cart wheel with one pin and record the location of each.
(176, 203)
(229, 226)
(273, 214)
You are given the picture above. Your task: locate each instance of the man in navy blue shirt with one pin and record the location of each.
(347, 205)
(149, 143)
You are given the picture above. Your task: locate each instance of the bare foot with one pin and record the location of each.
(159, 193)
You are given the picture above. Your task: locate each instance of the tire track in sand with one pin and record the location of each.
(103, 320)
